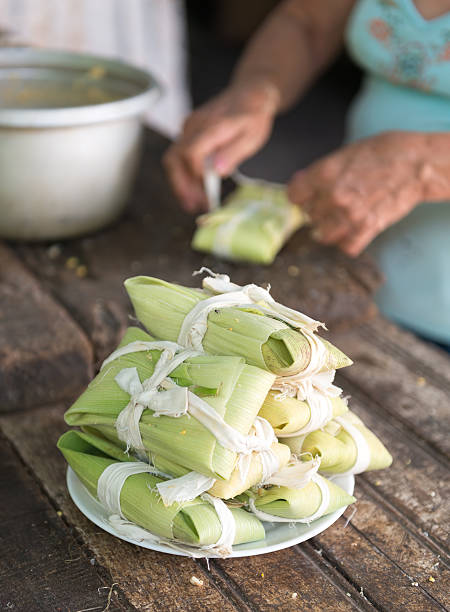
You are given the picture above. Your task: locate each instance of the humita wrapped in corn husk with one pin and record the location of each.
(235, 485)
(254, 223)
(225, 319)
(304, 504)
(344, 445)
(290, 416)
(196, 524)
(227, 385)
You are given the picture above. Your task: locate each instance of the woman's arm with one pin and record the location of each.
(294, 44)
(291, 48)
(355, 193)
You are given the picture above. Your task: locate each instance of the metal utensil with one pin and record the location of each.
(211, 184)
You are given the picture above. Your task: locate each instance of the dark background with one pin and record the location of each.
(217, 32)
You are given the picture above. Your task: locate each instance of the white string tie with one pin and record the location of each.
(296, 474)
(223, 546)
(177, 401)
(317, 390)
(112, 479)
(142, 345)
(260, 439)
(185, 488)
(147, 395)
(227, 294)
(109, 488)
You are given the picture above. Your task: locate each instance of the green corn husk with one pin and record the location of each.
(235, 390)
(195, 522)
(168, 467)
(337, 449)
(224, 489)
(235, 486)
(112, 448)
(262, 340)
(300, 503)
(290, 414)
(253, 225)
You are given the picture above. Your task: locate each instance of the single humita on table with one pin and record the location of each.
(254, 223)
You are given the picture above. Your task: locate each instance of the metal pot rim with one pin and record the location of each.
(147, 89)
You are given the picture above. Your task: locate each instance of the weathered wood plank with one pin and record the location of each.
(413, 552)
(416, 484)
(44, 355)
(269, 581)
(151, 580)
(42, 567)
(391, 564)
(242, 577)
(427, 358)
(154, 238)
(407, 379)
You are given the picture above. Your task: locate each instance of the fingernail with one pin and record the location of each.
(220, 165)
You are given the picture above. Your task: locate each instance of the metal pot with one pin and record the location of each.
(70, 136)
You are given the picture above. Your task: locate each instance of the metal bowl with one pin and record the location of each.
(70, 140)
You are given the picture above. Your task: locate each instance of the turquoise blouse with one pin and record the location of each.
(407, 87)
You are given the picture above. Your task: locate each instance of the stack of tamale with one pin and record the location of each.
(225, 416)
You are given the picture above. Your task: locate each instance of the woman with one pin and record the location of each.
(389, 185)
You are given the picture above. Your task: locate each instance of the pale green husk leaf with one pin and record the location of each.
(230, 386)
(252, 225)
(260, 339)
(337, 449)
(194, 522)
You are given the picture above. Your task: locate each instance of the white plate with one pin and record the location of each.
(278, 535)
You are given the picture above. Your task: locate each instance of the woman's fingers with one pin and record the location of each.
(185, 160)
(356, 242)
(228, 157)
(357, 192)
(334, 221)
(302, 189)
(206, 142)
(186, 186)
(332, 229)
(335, 210)
(368, 227)
(229, 129)
(228, 141)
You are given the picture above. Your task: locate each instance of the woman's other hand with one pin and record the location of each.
(355, 193)
(229, 128)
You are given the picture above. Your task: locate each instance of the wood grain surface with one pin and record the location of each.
(63, 308)
(44, 355)
(42, 565)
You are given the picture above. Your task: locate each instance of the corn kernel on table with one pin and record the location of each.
(63, 309)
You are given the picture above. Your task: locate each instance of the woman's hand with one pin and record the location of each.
(355, 193)
(229, 128)
(289, 50)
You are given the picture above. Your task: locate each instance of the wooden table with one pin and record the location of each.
(63, 308)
